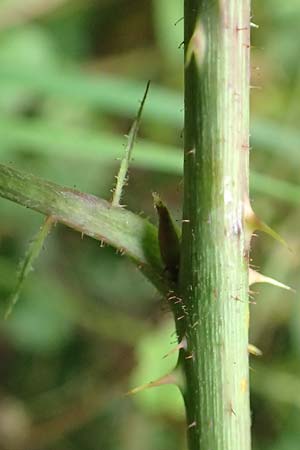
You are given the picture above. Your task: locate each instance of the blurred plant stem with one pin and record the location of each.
(16, 12)
(53, 140)
(115, 95)
(87, 403)
(97, 319)
(214, 265)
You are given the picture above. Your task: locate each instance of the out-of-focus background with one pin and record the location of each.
(88, 326)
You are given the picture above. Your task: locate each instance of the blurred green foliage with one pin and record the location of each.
(88, 327)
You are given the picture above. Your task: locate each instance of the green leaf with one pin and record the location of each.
(129, 233)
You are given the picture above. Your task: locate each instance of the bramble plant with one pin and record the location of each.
(203, 269)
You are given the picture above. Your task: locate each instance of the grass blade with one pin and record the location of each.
(57, 141)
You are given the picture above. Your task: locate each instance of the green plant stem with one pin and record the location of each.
(127, 232)
(214, 264)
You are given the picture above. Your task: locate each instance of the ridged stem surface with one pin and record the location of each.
(214, 263)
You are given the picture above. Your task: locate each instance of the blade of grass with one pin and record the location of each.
(118, 96)
(279, 189)
(276, 139)
(57, 141)
(105, 92)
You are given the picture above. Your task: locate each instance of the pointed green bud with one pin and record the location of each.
(168, 238)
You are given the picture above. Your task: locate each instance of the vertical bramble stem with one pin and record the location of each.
(214, 264)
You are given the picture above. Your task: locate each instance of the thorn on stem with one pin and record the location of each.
(253, 223)
(170, 378)
(253, 350)
(181, 345)
(256, 277)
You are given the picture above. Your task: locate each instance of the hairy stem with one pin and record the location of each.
(127, 232)
(214, 263)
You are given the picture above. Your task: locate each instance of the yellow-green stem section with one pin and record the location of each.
(214, 263)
